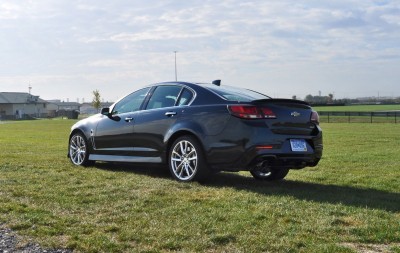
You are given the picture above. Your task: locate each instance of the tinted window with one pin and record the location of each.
(164, 96)
(236, 94)
(185, 98)
(132, 102)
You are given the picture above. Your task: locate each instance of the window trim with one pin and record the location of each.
(194, 94)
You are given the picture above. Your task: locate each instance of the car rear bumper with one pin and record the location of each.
(274, 149)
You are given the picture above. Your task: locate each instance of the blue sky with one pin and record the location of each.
(67, 49)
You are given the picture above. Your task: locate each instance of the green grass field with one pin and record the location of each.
(349, 202)
(358, 108)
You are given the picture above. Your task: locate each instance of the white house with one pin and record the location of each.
(21, 105)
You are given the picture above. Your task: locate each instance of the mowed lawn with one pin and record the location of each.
(349, 202)
(358, 108)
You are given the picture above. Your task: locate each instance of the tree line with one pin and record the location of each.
(328, 100)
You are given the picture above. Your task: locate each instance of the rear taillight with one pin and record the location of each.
(245, 111)
(268, 113)
(251, 112)
(315, 117)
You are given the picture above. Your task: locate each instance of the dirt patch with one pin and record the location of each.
(9, 242)
(370, 248)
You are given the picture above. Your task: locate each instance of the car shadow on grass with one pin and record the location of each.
(323, 193)
(151, 170)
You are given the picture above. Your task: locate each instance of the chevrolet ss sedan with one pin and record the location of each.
(197, 129)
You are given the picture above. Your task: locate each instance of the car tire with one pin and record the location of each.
(79, 150)
(269, 175)
(187, 161)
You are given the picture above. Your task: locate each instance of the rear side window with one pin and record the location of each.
(236, 94)
(186, 97)
(164, 96)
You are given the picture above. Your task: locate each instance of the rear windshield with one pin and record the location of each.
(236, 94)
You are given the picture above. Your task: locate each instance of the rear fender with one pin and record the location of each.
(191, 127)
(181, 129)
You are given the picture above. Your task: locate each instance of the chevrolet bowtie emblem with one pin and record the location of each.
(295, 114)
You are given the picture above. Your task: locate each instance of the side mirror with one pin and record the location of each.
(105, 111)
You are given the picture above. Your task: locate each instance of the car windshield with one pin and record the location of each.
(236, 94)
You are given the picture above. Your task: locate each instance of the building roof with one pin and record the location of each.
(19, 98)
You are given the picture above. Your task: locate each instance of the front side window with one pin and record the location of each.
(132, 102)
(164, 96)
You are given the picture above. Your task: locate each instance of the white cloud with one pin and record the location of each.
(92, 43)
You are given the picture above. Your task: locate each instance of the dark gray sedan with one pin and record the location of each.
(198, 129)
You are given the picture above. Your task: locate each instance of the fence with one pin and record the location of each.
(360, 117)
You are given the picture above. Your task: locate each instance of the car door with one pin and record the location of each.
(114, 132)
(162, 111)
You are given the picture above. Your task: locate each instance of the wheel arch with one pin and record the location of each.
(82, 129)
(179, 134)
(86, 135)
(181, 128)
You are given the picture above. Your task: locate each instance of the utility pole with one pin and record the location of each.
(176, 71)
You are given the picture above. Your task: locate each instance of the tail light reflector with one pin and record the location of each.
(315, 117)
(251, 112)
(265, 147)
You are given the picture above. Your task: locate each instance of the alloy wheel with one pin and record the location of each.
(77, 149)
(184, 160)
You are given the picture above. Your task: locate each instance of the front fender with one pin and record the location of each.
(86, 126)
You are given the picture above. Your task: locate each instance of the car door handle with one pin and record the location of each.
(128, 119)
(170, 114)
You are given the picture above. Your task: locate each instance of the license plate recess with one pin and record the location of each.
(298, 145)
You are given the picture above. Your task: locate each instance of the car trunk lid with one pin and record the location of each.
(288, 116)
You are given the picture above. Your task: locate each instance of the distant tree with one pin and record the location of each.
(96, 102)
(294, 97)
(330, 99)
(316, 99)
(309, 98)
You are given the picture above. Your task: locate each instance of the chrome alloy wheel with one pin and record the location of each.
(184, 160)
(77, 149)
